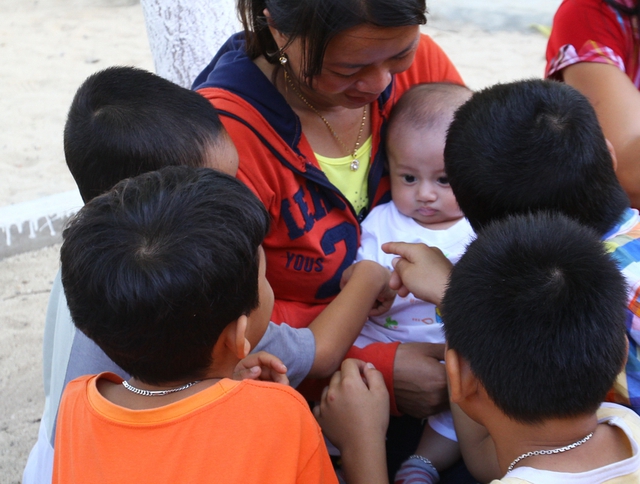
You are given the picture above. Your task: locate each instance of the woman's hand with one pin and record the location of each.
(419, 379)
(617, 104)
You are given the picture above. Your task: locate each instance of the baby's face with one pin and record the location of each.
(419, 185)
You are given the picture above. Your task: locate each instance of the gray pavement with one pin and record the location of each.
(495, 14)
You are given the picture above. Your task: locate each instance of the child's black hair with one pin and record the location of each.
(156, 268)
(125, 121)
(532, 145)
(537, 309)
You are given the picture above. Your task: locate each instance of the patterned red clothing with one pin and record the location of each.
(592, 31)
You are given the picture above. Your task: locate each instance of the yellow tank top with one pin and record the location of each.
(352, 184)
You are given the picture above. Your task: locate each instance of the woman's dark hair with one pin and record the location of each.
(316, 22)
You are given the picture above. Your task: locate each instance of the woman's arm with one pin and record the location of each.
(617, 104)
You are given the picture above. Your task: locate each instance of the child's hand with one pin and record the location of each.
(261, 366)
(420, 269)
(354, 408)
(376, 272)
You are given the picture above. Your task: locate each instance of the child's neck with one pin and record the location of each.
(514, 439)
(119, 395)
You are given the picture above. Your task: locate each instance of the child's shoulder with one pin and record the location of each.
(613, 414)
(272, 391)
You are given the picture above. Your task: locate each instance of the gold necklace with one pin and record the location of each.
(355, 163)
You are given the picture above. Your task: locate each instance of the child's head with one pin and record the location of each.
(532, 145)
(415, 144)
(156, 269)
(125, 121)
(536, 308)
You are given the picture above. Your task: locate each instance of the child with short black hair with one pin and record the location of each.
(535, 322)
(167, 275)
(535, 325)
(532, 145)
(537, 145)
(122, 122)
(423, 209)
(125, 121)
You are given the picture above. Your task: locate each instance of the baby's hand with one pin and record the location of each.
(420, 269)
(261, 366)
(354, 408)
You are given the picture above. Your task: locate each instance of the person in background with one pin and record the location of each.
(594, 47)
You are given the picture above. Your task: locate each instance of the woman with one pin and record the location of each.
(595, 47)
(305, 99)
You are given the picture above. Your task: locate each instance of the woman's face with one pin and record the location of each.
(358, 64)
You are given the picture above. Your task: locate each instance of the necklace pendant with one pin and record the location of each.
(355, 164)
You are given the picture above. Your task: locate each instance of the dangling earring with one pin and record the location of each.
(282, 57)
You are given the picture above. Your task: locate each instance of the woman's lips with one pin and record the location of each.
(361, 100)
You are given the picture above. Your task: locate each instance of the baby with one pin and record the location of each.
(423, 209)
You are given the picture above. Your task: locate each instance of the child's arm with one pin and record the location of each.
(354, 415)
(338, 325)
(476, 446)
(420, 270)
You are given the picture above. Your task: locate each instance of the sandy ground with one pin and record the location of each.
(47, 48)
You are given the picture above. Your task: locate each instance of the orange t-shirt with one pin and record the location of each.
(235, 432)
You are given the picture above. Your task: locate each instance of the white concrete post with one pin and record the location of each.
(185, 34)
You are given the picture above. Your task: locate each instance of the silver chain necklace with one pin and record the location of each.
(156, 393)
(552, 451)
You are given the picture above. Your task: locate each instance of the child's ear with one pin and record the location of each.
(452, 365)
(235, 334)
(612, 151)
(462, 382)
